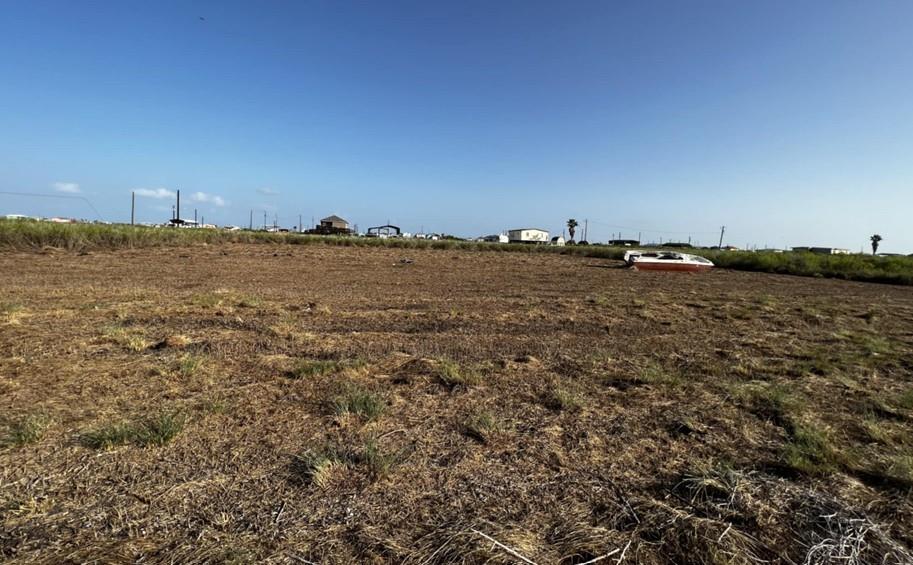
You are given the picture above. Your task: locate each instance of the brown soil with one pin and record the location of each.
(563, 406)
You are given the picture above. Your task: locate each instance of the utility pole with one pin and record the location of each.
(722, 231)
(251, 227)
(264, 220)
(194, 215)
(178, 216)
(132, 207)
(586, 224)
(638, 238)
(300, 227)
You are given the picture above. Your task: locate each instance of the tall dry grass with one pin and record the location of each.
(24, 235)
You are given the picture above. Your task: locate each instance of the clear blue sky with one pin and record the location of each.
(789, 122)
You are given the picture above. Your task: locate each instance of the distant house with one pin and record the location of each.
(624, 242)
(527, 235)
(498, 238)
(557, 241)
(334, 222)
(822, 250)
(331, 225)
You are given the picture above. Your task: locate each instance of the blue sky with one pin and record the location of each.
(789, 122)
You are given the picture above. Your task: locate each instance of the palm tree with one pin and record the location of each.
(571, 226)
(875, 241)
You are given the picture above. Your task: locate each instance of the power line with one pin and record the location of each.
(83, 198)
(633, 229)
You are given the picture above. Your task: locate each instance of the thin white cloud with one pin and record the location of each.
(68, 187)
(155, 192)
(267, 191)
(208, 198)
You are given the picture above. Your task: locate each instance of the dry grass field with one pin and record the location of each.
(307, 404)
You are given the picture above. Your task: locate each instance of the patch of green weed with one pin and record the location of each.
(359, 402)
(28, 429)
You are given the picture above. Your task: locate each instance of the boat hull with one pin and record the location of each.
(674, 267)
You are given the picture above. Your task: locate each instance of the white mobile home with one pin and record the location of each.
(527, 235)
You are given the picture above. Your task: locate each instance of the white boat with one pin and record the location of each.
(667, 261)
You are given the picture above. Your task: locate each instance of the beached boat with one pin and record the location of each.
(667, 261)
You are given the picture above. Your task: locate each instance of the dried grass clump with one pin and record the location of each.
(683, 537)
(27, 429)
(11, 313)
(108, 435)
(560, 399)
(126, 338)
(188, 365)
(173, 342)
(578, 540)
(323, 467)
(811, 451)
(320, 467)
(359, 402)
(159, 429)
(905, 399)
(773, 402)
(377, 461)
(809, 526)
(469, 542)
(156, 430)
(453, 375)
(314, 368)
(834, 533)
(655, 374)
(482, 426)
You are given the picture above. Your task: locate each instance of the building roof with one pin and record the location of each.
(527, 229)
(334, 218)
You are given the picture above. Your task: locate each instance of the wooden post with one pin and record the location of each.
(132, 207)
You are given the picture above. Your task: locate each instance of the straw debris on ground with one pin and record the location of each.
(237, 404)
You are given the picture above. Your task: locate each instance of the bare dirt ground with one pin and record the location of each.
(238, 403)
